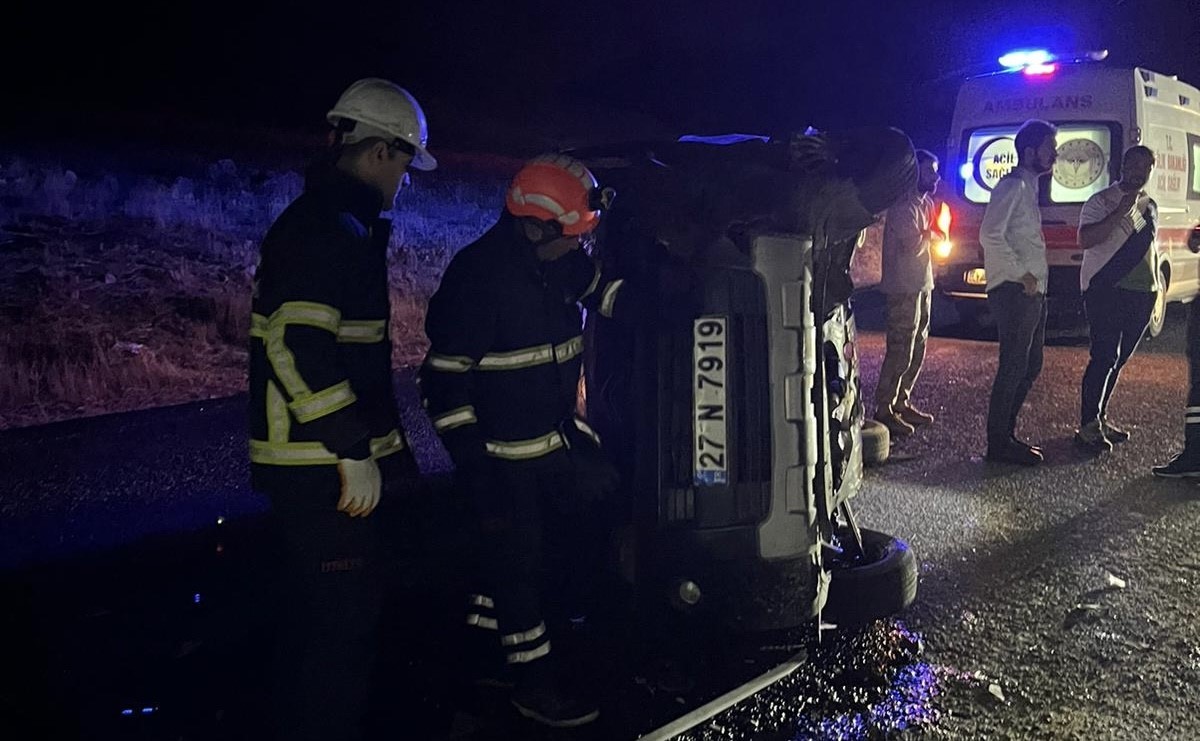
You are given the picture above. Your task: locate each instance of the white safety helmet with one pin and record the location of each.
(384, 109)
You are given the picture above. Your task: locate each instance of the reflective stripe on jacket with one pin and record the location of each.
(506, 345)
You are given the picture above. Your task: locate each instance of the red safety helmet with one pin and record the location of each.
(558, 189)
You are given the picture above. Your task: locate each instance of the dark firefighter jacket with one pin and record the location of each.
(320, 353)
(506, 346)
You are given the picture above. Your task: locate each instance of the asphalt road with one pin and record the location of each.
(1026, 633)
(1015, 584)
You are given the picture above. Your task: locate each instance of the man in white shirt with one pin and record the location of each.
(1118, 281)
(1014, 259)
(908, 285)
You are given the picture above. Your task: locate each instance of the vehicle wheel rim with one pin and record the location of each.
(1158, 314)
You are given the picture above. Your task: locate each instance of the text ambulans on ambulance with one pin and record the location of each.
(1100, 111)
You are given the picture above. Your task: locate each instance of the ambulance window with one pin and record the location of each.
(1193, 167)
(1085, 163)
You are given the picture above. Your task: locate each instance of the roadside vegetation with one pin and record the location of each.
(124, 289)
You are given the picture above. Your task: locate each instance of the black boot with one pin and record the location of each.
(1186, 465)
(542, 694)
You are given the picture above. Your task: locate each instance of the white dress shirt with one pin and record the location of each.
(1011, 232)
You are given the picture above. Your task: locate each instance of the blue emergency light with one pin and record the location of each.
(1044, 62)
(1023, 58)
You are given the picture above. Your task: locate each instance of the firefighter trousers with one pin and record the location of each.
(330, 613)
(539, 552)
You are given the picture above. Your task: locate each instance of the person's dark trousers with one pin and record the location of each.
(1021, 329)
(531, 544)
(330, 614)
(1117, 319)
(1191, 430)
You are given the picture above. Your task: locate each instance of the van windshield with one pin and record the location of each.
(1085, 161)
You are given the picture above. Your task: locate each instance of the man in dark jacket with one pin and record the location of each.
(500, 384)
(1186, 463)
(324, 434)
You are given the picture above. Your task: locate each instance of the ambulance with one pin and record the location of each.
(1100, 111)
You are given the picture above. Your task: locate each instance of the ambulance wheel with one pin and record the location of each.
(974, 320)
(876, 442)
(877, 586)
(1158, 315)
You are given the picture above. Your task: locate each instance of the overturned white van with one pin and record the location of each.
(738, 426)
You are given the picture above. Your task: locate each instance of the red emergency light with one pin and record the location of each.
(1040, 69)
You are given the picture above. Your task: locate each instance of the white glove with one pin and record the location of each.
(361, 484)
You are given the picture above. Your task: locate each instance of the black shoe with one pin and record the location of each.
(553, 704)
(1013, 452)
(1113, 433)
(1182, 466)
(1028, 446)
(895, 423)
(1091, 438)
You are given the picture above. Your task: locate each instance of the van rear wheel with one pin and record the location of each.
(879, 585)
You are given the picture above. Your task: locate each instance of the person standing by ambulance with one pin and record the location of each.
(1014, 259)
(1117, 229)
(1186, 463)
(325, 442)
(907, 283)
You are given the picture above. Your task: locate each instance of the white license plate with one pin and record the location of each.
(976, 277)
(711, 455)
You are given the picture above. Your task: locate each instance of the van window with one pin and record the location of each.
(1085, 162)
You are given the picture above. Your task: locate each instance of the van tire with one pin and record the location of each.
(876, 442)
(1158, 315)
(882, 586)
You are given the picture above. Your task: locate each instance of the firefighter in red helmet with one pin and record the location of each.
(499, 383)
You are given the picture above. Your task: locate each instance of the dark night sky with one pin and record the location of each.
(492, 67)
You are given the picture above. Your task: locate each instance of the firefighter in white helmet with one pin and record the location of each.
(325, 441)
